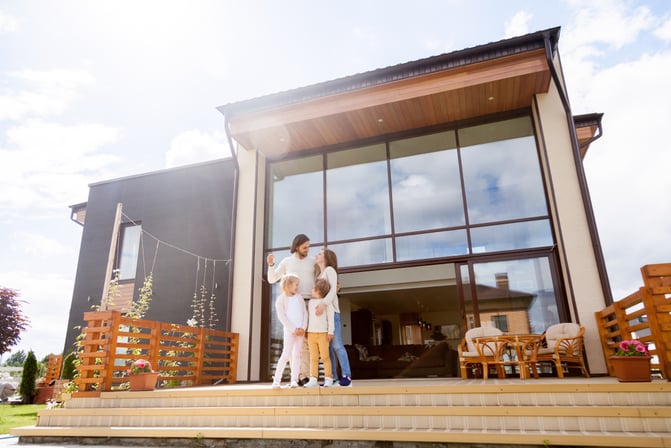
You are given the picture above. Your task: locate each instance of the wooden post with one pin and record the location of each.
(110, 256)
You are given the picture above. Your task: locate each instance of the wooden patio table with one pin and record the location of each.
(520, 348)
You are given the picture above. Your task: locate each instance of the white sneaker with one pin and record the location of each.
(276, 384)
(294, 385)
(328, 382)
(312, 382)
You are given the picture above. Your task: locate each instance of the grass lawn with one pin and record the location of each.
(19, 415)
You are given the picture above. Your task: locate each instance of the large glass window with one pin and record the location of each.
(357, 193)
(455, 193)
(502, 177)
(296, 198)
(426, 186)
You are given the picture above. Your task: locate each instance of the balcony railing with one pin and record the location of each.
(644, 315)
(183, 355)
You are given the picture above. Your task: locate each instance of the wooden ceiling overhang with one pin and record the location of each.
(492, 81)
(588, 128)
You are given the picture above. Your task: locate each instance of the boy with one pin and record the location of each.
(320, 333)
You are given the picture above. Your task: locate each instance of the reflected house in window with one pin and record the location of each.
(429, 179)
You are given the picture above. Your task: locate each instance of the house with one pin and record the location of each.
(174, 224)
(451, 188)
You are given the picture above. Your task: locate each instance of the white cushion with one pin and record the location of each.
(564, 330)
(479, 332)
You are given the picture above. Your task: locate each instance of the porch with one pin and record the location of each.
(497, 412)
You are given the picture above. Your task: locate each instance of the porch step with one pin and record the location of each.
(585, 412)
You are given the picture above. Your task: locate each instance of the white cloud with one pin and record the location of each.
(48, 298)
(518, 24)
(664, 31)
(48, 164)
(614, 23)
(40, 245)
(8, 24)
(628, 168)
(196, 146)
(45, 93)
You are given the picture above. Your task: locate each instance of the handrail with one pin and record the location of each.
(643, 315)
(183, 355)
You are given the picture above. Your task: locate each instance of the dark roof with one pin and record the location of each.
(459, 58)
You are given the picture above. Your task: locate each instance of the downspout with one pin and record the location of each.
(234, 212)
(584, 191)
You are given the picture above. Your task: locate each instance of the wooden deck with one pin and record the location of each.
(495, 412)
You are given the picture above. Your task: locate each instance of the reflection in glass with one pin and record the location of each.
(431, 245)
(363, 252)
(130, 247)
(519, 235)
(502, 177)
(521, 291)
(296, 199)
(357, 193)
(426, 186)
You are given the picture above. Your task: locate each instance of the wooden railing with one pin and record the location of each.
(53, 370)
(644, 315)
(183, 355)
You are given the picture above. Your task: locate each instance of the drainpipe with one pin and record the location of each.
(589, 211)
(231, 263)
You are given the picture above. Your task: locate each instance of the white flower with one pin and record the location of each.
(192, 322)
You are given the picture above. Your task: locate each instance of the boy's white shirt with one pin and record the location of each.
(331, 298)
(292, 312)
(320, 324)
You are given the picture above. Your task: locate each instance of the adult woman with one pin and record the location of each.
(328, 264)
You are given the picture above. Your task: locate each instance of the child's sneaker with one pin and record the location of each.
(312, 382)
(294, 385)
(328, 382)
(276, 384)
(345, 381)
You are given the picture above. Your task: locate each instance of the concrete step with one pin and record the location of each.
(569, 412)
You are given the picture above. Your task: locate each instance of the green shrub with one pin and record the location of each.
(28, 388)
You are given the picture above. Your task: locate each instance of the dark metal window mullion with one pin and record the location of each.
(391, 203)
(464, 203)
(325, 214)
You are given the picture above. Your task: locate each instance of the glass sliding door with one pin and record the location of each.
(517, 296)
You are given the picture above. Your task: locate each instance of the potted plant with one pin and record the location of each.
(631, 361)
(141, 375)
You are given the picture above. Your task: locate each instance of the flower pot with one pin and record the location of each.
(631, 368)
(143, 381)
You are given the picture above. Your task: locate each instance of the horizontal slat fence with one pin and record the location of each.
(644, 315)
(183, 355)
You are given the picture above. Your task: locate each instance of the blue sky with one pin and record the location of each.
(92, 91)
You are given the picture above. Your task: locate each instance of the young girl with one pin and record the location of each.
(291, 312)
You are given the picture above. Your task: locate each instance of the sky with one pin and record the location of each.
(94, 91)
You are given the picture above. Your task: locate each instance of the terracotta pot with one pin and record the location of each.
(143, 381)
(631, 368)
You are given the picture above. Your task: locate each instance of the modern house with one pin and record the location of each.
(174, 224)
(451, 188)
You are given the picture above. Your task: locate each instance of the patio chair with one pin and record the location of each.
(562, 345)
(475, 356)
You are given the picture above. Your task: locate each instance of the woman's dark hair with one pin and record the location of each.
(299, 240)
(330, 259)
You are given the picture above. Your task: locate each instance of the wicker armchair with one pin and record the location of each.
(562, 345)
(473, 356)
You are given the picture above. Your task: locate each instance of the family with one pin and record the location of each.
(314, 329)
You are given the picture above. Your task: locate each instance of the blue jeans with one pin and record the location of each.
(337, 351)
